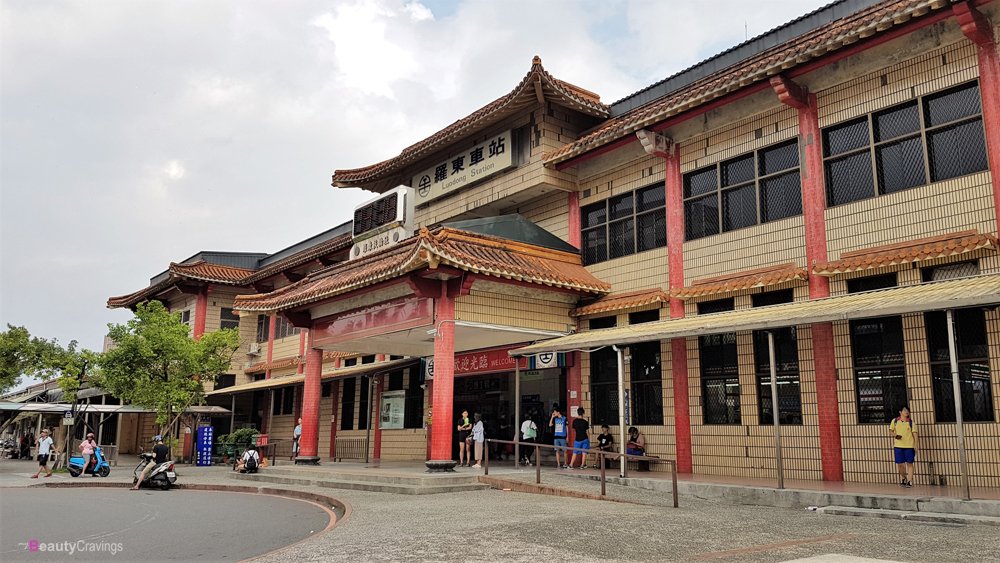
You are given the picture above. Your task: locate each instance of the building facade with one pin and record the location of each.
(844, 160)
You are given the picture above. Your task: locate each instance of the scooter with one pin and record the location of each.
(162, 476)
(99, 468)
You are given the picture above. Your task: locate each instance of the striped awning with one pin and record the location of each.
(950, 294)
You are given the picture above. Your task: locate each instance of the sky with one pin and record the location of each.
(133, 134)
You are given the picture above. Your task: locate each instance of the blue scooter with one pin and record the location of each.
(99, 468)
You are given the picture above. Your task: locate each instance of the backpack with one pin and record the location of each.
(251, 463)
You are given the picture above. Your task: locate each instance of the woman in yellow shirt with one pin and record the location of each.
(904, 434)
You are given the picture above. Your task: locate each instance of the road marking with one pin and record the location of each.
(770, 547)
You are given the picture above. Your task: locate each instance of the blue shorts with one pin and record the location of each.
(581, 447)
(559, 442)
(905, 455)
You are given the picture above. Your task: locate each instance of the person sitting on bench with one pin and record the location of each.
(636, 442)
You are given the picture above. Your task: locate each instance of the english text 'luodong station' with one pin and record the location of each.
(826, 187)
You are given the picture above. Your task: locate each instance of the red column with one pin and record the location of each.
(271, 328)
(444, 377)
(574, 387)
(200, 310)
(309, 442)
(430, 392)
(824, 356)
(378, 418)
(573, 204)
(678, 346)
(303, 334)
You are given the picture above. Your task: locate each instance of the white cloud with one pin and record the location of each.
(174, 170)
(418, 12)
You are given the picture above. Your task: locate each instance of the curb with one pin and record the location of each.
(533, 488)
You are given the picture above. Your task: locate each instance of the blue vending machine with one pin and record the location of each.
(203, 450)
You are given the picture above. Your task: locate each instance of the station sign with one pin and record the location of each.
(490, 157)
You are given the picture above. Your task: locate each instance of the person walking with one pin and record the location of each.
(44, 450)
(557, 422)
(87, 448)
(296, 436)
(904, 434)
(529, 433)
(464, 427)
(479, 439)
(581, 441)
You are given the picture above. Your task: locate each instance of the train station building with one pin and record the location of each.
(829, 184)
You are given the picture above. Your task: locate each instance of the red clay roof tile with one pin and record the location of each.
(919, 250)
(741, 281)
(621, 301)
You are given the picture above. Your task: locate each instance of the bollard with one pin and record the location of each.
(604, 489)
(486, 462)
(538, 467)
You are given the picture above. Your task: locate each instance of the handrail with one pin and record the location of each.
(601, 455)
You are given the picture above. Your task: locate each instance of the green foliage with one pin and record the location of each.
(22, 354)
(17, 356)
(155, 364)
(243, 436)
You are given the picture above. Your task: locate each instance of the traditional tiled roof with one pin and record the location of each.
(622, 301)
(952, 244)
(800, 50)
(482, 254)
(283, 363)
(742, 281)
(200, 270)
(536, 86)
(333, 245)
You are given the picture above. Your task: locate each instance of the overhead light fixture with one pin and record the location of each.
(655, 143)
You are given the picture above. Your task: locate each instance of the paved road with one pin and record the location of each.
(151, 525)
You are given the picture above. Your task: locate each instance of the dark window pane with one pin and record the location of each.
(647, 387)
(737, 170)
(602, 322)
(700, 182)
(896, 122)
(849, 179)
(786, 351)
(871, 283)
(622, 235)
(348, 388)
(595, 245)
(595, 214)
(970, 335)
(228, 319)
(975, 389)
(717, 354)
(881, 393)
(652, 230)
(772, 297)
(701, 217)
(780, 197)
(778, 158)
(621, 206)
(362, 403)
(950, 271)
(787, 376)
(739, 207)
(877, 342)
(957, 150)
(640, 317)
(604, 385)
(720, 385)
(650, 198)
(845, 137)
(952, 105)
(716, 306)
(900, 165)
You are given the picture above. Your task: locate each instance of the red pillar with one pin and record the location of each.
(824, 355)
(303, 334)
(444, 378)
(573, 204)
(574, 386)
(678, 346)
(978, 29)
(430, 392)
(309, 442)
(200, 311)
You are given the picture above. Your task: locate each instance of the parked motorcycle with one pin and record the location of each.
(162, 476)
(100, 467)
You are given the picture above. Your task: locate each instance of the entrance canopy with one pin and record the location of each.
(8, 406)
(366, 369)
(951, 294)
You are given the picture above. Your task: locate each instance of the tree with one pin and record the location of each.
(17, 356)
(24, 355)
(154, 364)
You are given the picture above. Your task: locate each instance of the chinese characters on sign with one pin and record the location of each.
(481, 161)
(203, 450)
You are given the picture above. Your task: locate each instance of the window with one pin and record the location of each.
(950, 271)
(603, 379)
(393, 357)
(973, 353)
(871, 283)
(363, 383)
(282, 328)
(229, 319)
(263, 327)
(185, 317)
(413, 411)
(350, 362)
(225, 380)
(643, 316)
(324, 389)
(647, 383)
(786, 356)
(368, 359)
(347, 395)
(624, 224)
(394, 381)
(284, 401)
(716, 306)
(753, 188)
(772, 298)
(720, 382)
(879, 368)
(929, 139)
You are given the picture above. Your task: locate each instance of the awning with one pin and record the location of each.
(950, 294)
(366, 369)
(9, 406)
(28, 397)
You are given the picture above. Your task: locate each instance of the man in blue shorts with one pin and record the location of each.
(904, 434)
(581, 442)
(558, 424)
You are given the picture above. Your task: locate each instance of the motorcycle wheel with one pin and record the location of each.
(74, 472)
(165, 486)
(105, 471)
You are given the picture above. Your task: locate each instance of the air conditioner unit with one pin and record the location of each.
(254, 348)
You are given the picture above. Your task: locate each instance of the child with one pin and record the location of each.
(558, 424)
(605, 443)
(581, 441)
(904, 435)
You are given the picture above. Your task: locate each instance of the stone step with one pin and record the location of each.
(370, 486)
(936, 517)
(374, 476)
